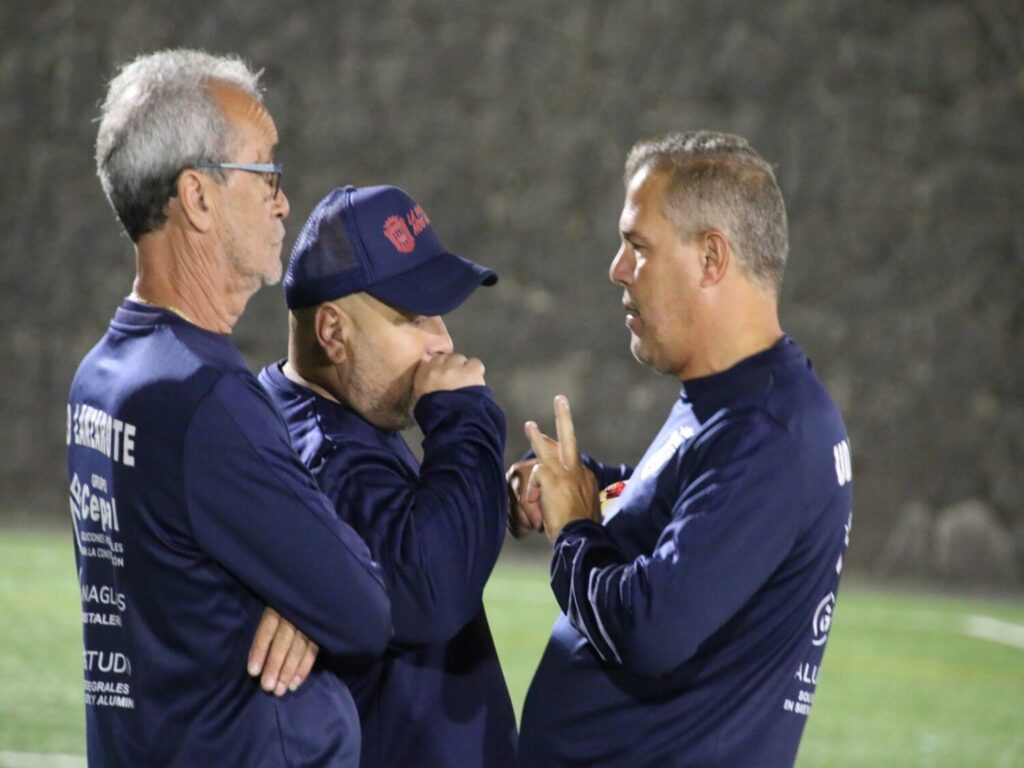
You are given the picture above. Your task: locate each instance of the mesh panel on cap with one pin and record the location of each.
(330, 252)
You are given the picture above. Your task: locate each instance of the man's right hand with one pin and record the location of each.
(280, 655)
(567, 488)
(443, 373)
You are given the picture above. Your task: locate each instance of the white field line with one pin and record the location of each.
(40, 760)
(1002, 632)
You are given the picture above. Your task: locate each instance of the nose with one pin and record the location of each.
(281, 206)
(621, 269)
(439, 342)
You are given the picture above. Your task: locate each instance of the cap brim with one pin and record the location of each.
(435, 287)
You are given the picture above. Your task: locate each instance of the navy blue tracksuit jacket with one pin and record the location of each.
(191, 512)
(438, 698)
(695, 618)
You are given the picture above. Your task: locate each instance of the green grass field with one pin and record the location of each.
(904, 682)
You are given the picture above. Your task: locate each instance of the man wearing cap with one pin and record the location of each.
(368, 355)
(190, 509)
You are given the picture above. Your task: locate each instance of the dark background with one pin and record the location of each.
(897, 129)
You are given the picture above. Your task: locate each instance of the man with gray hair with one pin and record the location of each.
(697, 590)
(191, 511)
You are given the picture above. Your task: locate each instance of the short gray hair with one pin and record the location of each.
(718, 181)
(159, 117)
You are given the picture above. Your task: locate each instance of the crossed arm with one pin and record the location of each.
(280, 655)
(239, 504)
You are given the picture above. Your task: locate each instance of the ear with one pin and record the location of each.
(715, 258)
(194, 197)
(333, 329)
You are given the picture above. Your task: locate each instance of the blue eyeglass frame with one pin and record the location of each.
(265, 168)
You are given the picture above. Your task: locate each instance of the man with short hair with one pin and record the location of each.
(697, 590)
(368, 353)
(191, 511)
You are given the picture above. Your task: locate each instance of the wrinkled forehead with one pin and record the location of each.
(249, 118)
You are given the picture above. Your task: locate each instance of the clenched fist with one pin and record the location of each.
(444, 373)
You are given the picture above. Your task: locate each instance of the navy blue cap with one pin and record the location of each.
(377, 240)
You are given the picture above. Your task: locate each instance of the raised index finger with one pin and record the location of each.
(566, 432)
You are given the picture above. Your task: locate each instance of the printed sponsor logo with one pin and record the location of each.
(103, 686)
(107, 662)
(417, 219)
(822, 621)
(102, 619)
(802, 706)
(107, 693)
(844, 466)
(667, 450)
(807, 674)
(89, 504)
(103, 693)
(402, 230)
(103, 596)
(608, 500)
(613, 491)
(97, 598)
(103, 700)
(397, 231)
(92, 428)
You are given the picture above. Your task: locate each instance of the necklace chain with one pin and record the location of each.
(169, 307)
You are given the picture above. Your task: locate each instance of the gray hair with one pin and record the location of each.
(717, 181)
(159, 117)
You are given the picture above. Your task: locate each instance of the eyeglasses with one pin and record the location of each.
(271, 172)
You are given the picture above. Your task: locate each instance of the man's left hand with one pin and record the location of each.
(568, 489)
(280, 654)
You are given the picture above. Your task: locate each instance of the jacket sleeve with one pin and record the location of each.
(256, 510)
(732, 525)
(436, 536)
(606, 474)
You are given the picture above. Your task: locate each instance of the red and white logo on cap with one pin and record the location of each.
(417, 219)
(397, 231)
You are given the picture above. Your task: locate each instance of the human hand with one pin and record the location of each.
(524, 513)
(568, 489)
(443, 373)
(280, 654)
